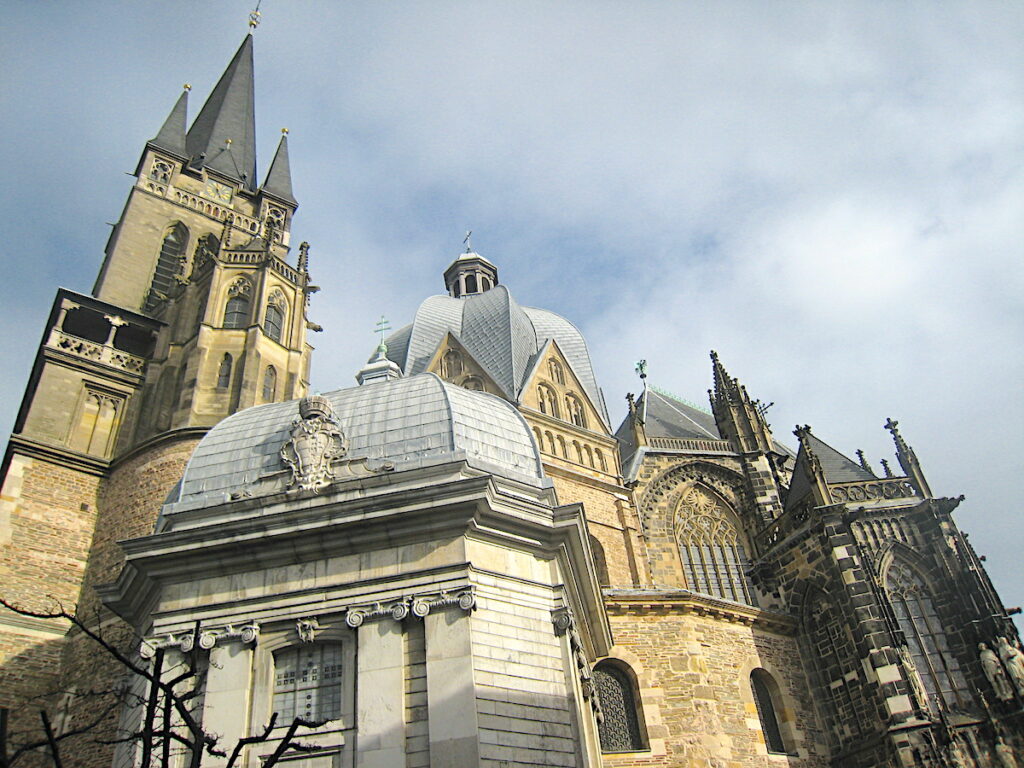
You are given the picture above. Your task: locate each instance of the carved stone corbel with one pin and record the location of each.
(207, 639)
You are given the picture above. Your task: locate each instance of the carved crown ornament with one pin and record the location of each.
(205, 638)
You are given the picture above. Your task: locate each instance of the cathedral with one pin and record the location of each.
(465, 559)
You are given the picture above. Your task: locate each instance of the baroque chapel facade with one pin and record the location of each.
(463, 560)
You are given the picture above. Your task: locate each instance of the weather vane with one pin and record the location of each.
(254, 17)
(466, 241)
(641, 369)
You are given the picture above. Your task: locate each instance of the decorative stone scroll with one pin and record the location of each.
(418, 605)
(316, 441)
(565, 624)
(207, 639)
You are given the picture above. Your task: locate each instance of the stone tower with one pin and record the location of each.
(198, 310)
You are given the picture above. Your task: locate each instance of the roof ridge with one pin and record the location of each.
(678, 399)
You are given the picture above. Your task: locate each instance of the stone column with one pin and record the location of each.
(451, 693)
(380, 709)
(227, 700)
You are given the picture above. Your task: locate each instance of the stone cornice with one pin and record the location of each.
(64, 457)
(28, 625)
(621, 601)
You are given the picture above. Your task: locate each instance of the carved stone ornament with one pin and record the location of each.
(994, 673)
(207, 639)
(418, 605)
(565, 624)
(306, 629)
(1004, 752)
(1013, 660)
(316, 441)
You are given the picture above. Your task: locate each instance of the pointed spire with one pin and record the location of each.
(808, 458)
(738, 417)
(908, 459)
(223, 136)
(171, 137)
(279, 178)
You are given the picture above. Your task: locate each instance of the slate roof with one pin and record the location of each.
(669, 417)
(836, 467)
(500, 335)
(405, 421)
(171, 136)
(279, 177)
(229, 113)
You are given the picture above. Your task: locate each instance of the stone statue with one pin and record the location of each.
(316, 440)
(1013, 661)
(1005, 754)
(956, 755)
(994, 673)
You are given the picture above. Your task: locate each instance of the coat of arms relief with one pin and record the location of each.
(316, 441)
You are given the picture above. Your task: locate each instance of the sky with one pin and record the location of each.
(831, 195)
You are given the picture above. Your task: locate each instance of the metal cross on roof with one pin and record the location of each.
(467, 242)
(382, 326)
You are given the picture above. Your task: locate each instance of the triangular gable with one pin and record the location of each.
(470, 366)
(539, 373)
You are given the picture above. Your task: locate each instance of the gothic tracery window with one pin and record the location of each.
(556, 372)
(236, 311)
(712, 551)
(936, 666)
(273, 318)
(621, 730)
(168, 266)
(160, 171)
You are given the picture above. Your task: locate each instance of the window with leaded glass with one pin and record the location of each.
(307, 683)
(714, 559)
(168, 266)
(762, 685)
(236, 312)
(273, 321)
(621, 729)
(936, 666)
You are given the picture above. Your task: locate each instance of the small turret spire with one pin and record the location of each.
(171, 137)
(279, 178)
(739, 417)
(228, 114)
(908, 459)
(379, 368)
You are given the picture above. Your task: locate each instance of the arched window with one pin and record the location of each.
(589, 454)
(168, 266)
(538, 438)
(451, 364)
(574, 408)
(713, 556)
(474, 383)
(269, 383)
(224, 372)
(550, 443)
(471, 283)
(929, 650)
(307, 682)
(273, 319)
(547, 400)
(236, 312)
(766, 694)
(485, 284)
(621, 730)
(556, 372)
(561, 447)
(600, 563)
(602, 465)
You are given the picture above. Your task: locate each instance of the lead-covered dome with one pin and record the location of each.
(503, 337)
(404, 422)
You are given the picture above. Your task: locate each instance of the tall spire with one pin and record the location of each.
(739, 417)
(279, 178)
(223, 136)
(171, 137)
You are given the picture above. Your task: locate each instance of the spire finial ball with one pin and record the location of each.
(187, 86)
(284, 131)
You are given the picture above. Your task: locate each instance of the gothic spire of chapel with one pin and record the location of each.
(171, 137)
(279, 178)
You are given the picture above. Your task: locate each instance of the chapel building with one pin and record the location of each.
(465, 559)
